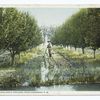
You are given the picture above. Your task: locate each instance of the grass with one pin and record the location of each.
(11, 77)
(27, 68)
(87, 68)
(75, 55)
(29, 55)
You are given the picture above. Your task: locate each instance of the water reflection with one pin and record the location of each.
(87, 87)
(81, 87)
(57, 88)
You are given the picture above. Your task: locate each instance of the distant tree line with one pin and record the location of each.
(18, 31)
(81, 30)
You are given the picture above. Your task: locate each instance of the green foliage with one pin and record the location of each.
(11, 78)
(84, 69)
(80, 30)
(93, 35)
(19, 31)
(72, 31)
(36, 80)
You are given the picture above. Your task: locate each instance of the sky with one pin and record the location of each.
(49, 1)
(50, 16)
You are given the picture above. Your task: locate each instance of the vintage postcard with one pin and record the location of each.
(50, 50)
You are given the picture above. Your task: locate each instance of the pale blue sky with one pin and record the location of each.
(49, 1)
(50, 16)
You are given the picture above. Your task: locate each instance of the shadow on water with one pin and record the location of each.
(28, 88)
(87, 87)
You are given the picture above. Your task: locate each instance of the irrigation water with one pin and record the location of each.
(49, 68)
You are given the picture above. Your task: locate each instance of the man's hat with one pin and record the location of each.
(49, 41)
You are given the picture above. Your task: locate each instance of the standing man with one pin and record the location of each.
(49, 49)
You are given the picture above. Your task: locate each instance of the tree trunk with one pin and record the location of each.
(83, 51)
(70, 47)
(12, 58)
(19, 55)
(94, 53)
(75, 48)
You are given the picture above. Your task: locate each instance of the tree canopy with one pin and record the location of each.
(18, 31)
(82, 30)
